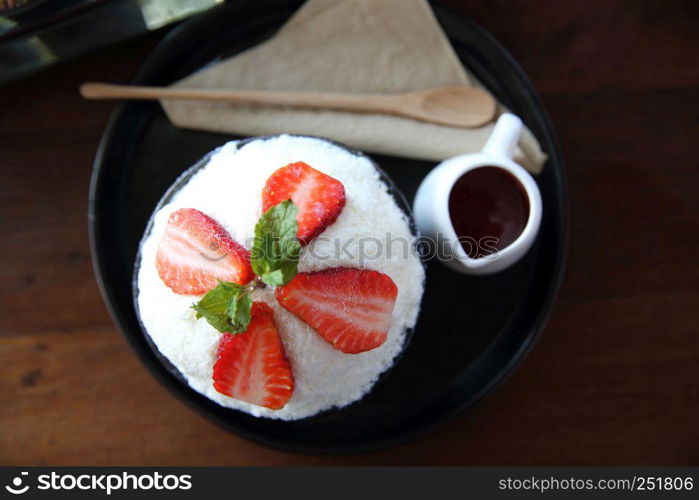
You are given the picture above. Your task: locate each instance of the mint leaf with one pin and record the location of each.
(239, 312)
(275, 254)
(226, 307)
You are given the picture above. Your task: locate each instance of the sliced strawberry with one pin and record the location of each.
(196, 251)
(252, 366)
(350, 308)
(318, 197)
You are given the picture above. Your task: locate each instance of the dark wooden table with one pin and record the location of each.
(615, 377)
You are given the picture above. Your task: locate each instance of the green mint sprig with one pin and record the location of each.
(226, 307)
(274, 259)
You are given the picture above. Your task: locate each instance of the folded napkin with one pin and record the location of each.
(347, 46)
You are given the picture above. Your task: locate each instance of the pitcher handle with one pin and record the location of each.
(503, 139)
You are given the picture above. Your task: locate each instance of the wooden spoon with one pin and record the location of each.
(453, 106)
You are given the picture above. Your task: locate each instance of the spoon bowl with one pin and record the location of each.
(456, 106)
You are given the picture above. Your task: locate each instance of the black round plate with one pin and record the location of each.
(472, 331)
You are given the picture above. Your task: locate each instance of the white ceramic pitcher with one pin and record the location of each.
(431, 207)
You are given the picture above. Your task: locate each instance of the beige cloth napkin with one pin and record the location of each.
(354, 46)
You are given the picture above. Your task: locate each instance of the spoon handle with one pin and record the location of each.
(315, 99)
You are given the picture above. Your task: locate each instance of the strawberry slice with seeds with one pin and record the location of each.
(196, 252)
(350, 308)
(318, 197)
(252, 366)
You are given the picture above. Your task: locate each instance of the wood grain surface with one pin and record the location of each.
(615, 377)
